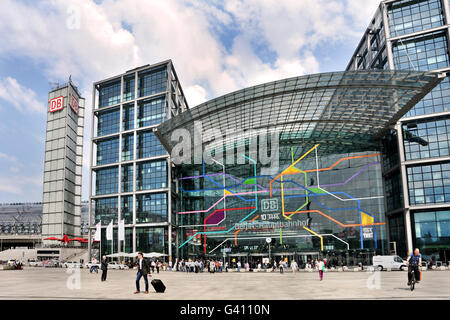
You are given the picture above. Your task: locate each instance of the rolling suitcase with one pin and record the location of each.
(158, 285)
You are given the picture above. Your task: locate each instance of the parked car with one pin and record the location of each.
(34, 263)
(114, 265)
(393, 262)
(72, 264)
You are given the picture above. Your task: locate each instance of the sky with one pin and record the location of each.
(216, 46)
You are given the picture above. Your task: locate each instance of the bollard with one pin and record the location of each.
(424, 268)
(443, 268)
(433, 267)
(339, 269)
(356, 269)
(345, 268)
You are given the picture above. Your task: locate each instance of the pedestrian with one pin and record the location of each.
(104, 268)
(142, 271)
(157, 265)
(321, 268)
(153, 266)
(94, 266)
(226, 266)
(274, 266)
(212, 266)
(239, 266)
(170, 265)
(294, 266)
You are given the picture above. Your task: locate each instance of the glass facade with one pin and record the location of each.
(149, 145)
(151, 175)
(410, 16)
(107, 181)
(152, 82)
(109, 94)
(151, 112)
(432, 233)
(128, 88)
(107, 151)
(108, 122)
(429, 184)
(106, 210)
(151, 208)
(127, 178)
(426, 138)
(424, 52)
(130, 141)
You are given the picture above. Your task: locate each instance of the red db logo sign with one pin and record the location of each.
(55, 104)
(74, 104)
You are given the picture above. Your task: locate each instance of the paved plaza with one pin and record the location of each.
(48, 283)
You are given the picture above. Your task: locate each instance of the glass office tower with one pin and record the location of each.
(131, 174)
(61, 205)
(414, 35)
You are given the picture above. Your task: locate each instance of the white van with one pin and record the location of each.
(393, 262)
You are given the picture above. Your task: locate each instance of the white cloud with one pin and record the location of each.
(195, 95)
(18, 185)
(271, 40)
(7, 157)
(22, 98)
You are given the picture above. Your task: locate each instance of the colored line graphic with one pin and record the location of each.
(243, 219)
(317, 235)
(289, 169)
(314, 191)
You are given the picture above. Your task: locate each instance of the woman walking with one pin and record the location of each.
(321, 266)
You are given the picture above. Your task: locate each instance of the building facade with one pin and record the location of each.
(290, 169)
(414, 35)
(61, 205)
(131, 173)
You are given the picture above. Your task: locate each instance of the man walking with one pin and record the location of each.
(143, 271)
(104, 268)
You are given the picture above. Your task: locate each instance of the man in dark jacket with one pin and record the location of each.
(104, 268)
(143, 270)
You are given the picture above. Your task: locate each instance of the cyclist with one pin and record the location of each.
(414, 261)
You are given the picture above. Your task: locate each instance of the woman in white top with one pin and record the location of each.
(294, 266)
(321, 266)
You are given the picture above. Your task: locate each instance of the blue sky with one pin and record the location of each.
(216, 46)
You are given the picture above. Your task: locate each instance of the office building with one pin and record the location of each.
(414, 35)
(131, 173)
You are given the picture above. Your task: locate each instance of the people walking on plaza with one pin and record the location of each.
(170, 265)
(153, 266)
(321, 268)
(282, 262)
(104, 268)
(294, 266)
(239, 266)
(142, 271)
(274, 265)
(157, 265)
(212, 266)
(94, 266)
(226, 266)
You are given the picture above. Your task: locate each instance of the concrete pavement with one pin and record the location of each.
(54, 283)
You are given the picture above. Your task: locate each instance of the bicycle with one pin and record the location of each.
(413, 279)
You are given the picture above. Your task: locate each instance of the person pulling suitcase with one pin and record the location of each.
(143, 271)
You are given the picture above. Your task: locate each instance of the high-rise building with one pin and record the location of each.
(61, 208)
(414, 35)
(131, 173)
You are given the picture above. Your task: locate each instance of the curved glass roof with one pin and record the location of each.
(338, 108)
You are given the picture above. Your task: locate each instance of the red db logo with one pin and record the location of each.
(55, 104)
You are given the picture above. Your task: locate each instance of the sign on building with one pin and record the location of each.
(56, 104)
